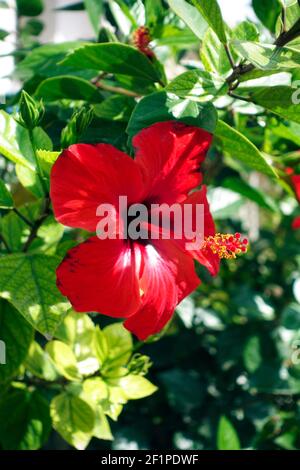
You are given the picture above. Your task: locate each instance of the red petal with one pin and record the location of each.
(169, 155)
(204, 257)
(85, 176)
(296, 223)
(167, 276)
(100, 276)
(296, 182)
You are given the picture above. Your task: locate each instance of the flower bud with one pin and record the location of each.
(31, 112)
(77, 125)
(139, 364)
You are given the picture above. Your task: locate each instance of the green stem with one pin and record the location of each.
(38, 166)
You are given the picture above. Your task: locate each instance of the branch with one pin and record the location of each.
(116, 89)
(230, 58)
(2, 239)
(22, 217)
(37, 225)
(282, 40)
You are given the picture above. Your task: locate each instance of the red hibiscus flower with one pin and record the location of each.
(141, 281)
(296, 223)
(295, 179)
(296, 183)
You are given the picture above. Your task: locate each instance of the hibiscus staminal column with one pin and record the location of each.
(226, 246)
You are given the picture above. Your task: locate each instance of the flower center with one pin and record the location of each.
(226, 246)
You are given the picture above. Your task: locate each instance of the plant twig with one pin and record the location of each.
(238, 97)
(242, 69)
(37, 224)
(22, 217)
(116, 89)
(230, 58)
(2, 239)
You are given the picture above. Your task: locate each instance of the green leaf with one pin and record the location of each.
(115, 108)
(246, 31)
(17, 335)
(292, 16)
(210, 11)
(44, 61)
(24, 420)
(197, 85)
(14, 229)
(266, 56)
(281, 100)
(119, 343)
(102, 428)
(252, 354)
(33, 27)
(253, 194)
(64, 359)
(47, 160)
(73, 419)
(73, 326)
(287, 441)
(78, 331)
(123, 15)
(101, 346)
(290, 317)
(213, 55)
(30, 180)
(162, 106)
(94, 392)
(28, 282)
(76, 6)
(30, 7)
(267, 11)
(190, 15)
(224, 204)
(14, 142)
(41, 140)
(138, 85)
(94, 9)
(227, 438)
(154, 11)
(3, 34)
(290, 131)
(40, 364)
(136, 387)
(67, 87)
(239, 147)
(113, 58)
(6, 200)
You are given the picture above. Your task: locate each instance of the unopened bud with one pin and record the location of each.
(77, 125)
(31, 112)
